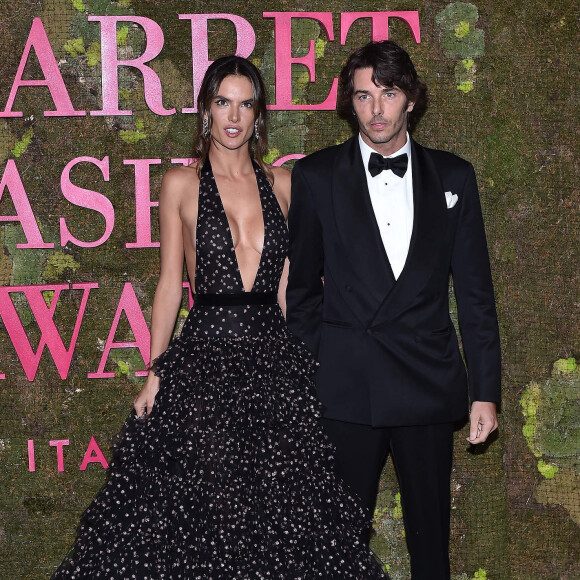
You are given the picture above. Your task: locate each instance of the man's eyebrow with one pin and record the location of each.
(393, 89)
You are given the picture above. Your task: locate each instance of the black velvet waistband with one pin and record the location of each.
(239, 299)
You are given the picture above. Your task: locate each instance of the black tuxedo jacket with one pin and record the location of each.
(387, 349)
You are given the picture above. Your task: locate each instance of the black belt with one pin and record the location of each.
(239, 299)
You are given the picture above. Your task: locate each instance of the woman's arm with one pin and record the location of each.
(282, 191)
(168, 293)
(282, 287)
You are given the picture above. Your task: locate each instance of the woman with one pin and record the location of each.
(223, 472)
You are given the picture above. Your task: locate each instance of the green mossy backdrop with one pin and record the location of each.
(503, 80)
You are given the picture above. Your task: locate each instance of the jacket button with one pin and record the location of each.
(348, 288)
(418, 339)
(371, 332)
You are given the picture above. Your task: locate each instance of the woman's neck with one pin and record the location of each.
(230, 162)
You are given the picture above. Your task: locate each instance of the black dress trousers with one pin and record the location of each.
(422, 456)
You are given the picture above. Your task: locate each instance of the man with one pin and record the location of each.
(377, 225)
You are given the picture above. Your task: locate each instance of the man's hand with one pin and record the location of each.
(483, 419)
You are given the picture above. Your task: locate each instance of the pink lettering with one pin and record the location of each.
(128, 304)
(245, 43)
(89, 199)
(59, 444)
(143, 203)
(182, 160)
(110, 64)
(38, 40)
(284, 158)
(43, 313)
(380, 23)
(31, 459)
(93, 455)
(284, 60)
(187, 285)
(11, 181)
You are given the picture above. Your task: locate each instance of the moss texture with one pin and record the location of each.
(503, 82)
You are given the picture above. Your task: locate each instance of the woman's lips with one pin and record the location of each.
(233, 131)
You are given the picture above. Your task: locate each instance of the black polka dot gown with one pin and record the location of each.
(230, 476)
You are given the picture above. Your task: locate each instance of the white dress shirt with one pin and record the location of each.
(392, 201)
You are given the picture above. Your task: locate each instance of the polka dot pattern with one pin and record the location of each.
(230, 476)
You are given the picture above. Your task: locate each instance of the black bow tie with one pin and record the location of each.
(378, 163)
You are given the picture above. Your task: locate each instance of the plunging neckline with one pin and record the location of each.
(229, 229)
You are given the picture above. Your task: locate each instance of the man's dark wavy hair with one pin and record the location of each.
(391, 67)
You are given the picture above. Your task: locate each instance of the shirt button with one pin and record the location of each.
(348, 288)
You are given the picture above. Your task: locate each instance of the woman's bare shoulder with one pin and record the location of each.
(280, 173)
(181, 175)
(180, 180)
(281, 184)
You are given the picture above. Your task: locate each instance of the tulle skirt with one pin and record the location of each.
(229, 477)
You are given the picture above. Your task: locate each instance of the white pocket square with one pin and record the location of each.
(451, 199)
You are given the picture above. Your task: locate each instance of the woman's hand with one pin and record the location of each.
(145, 400)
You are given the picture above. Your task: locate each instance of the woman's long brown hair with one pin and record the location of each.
(216, 73)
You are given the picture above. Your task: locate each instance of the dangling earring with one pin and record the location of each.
(205, 127)
(256, 131)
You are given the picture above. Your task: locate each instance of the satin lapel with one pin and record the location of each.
(429, 229)
(358, 230)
